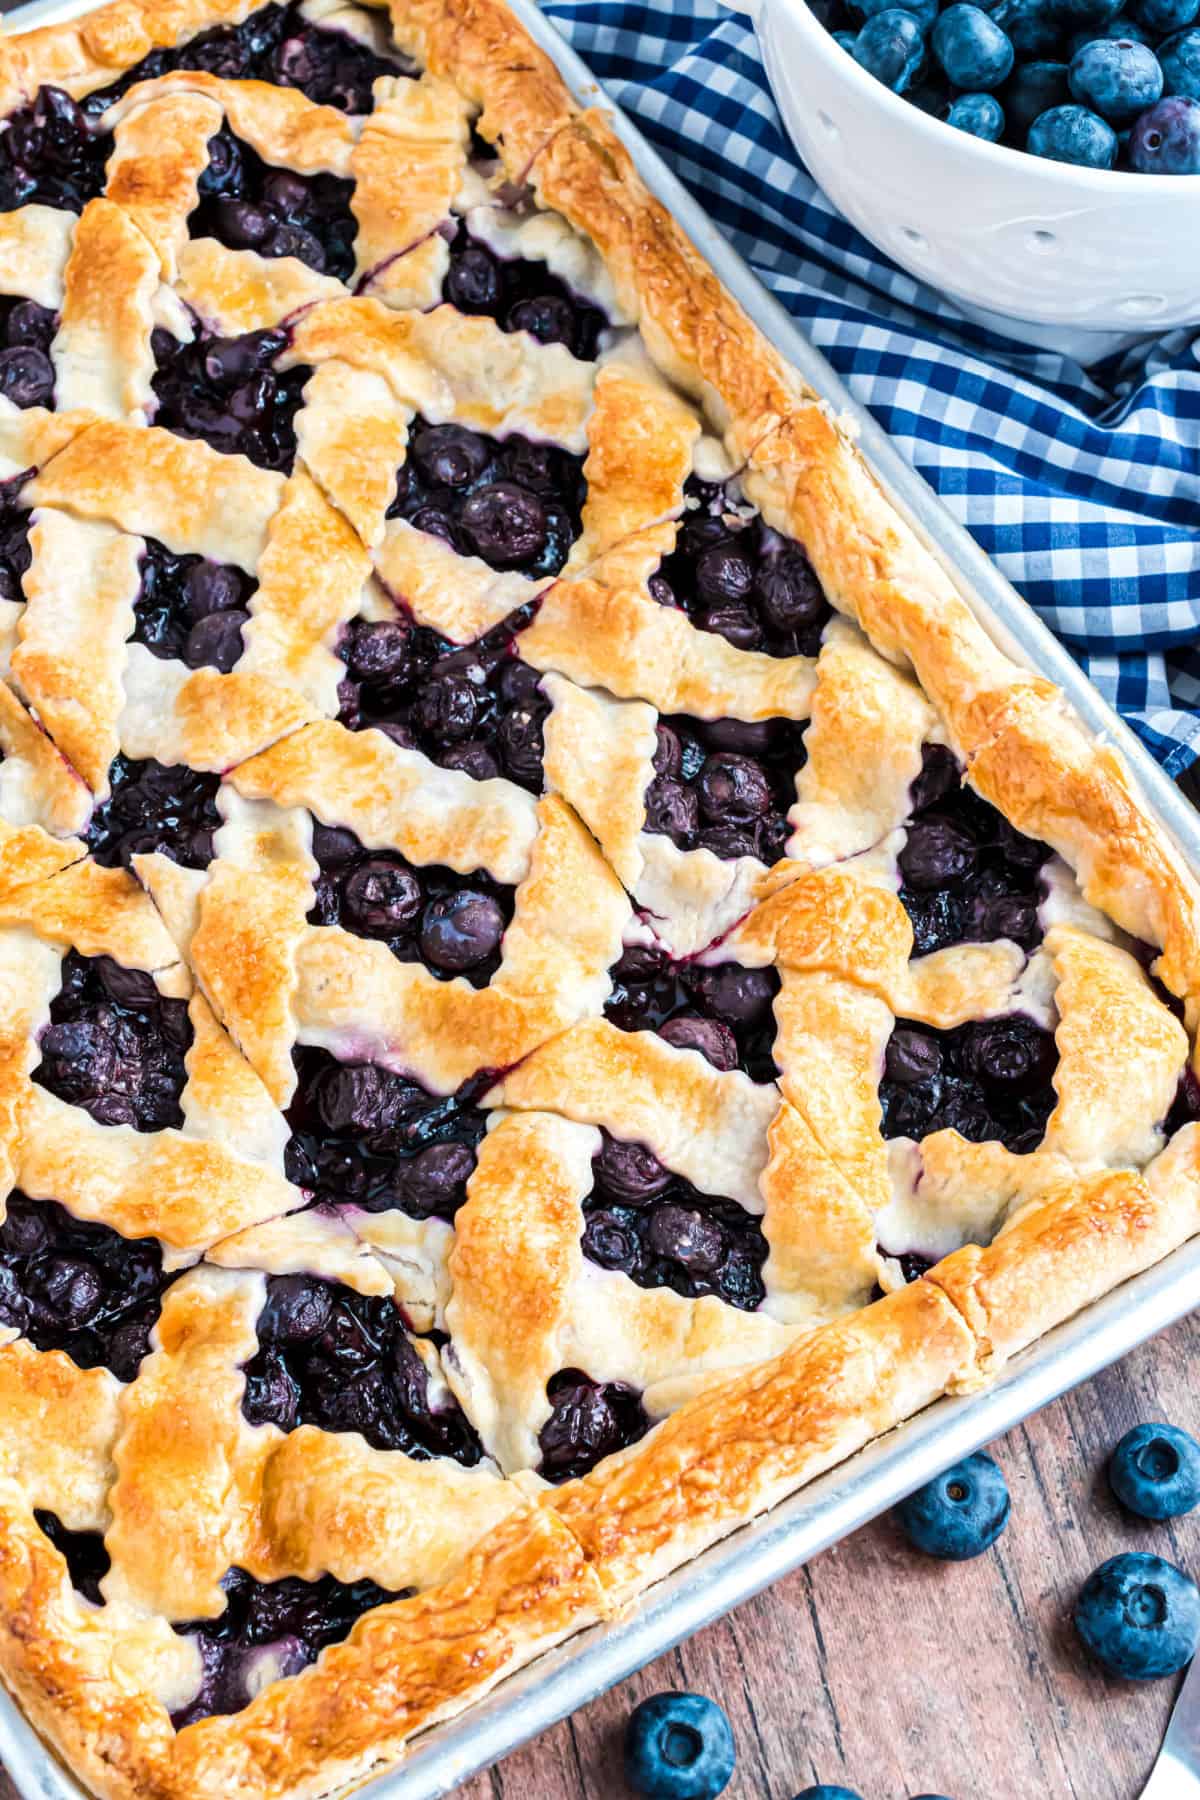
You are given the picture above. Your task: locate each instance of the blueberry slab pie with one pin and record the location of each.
(554, 982)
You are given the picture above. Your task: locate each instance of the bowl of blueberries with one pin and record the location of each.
(1037, 160)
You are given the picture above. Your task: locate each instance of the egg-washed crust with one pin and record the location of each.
(557, 1560)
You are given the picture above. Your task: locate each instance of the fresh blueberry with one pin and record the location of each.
(1139, 1616)
(979, 115)
(1077, 14)
(959, 1515)
(1123, 26)
(1116, 78)
(847, 39)
(891, 47)
(678, 1747)
(1166, 139)
(972, 48)
(1072, 134)
(1032, 89)
(1030, 25)
(1180, 60)
(1164, 16)
(823, 1791)
(923, 11)
(1155, 1471)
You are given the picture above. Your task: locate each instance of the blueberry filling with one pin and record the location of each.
(452, 923)
(365, 1136)
(516, 504)
(228, 392)
(968, 875)
(733, 575)
(26, 334)
(83, 1552)
(520, 295)
(270, 1630)
(51, 153)
(275, 44)
(190, 609)
(723, 1011)
(475, 707)
(988, 1080)
(115, 1045)
(246, 204)
(15, 554)
(1185, 1109)
(69, 1285)
(725, 786)
(590, 1421)
(154, 806)
(340, 1360)
(659, 1230)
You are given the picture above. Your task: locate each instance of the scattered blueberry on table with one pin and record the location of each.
(1106, 84)
(1139, 1616)
(1155, 1471)
(961, 1513)
(678, 1747)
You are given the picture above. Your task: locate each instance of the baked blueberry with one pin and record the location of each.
(967, 875)
(1073, 134)
(15, 554)
(228, 392)
(114, 1045)
(961, 1513)
(83, 1551)
(344, 1361)
(1117, 78)
(989, 1080)
(67, 1284)
(972, 48)
(588, 1421)
(723, 1011)
(514, 503)
(248, 205)
(1155, 1471)
(52, 154)
(1139, 1616)
(270, 1630)
(654, 1226)
(452, 923)
(1166, 138)
(366, 1137)
(725, 786)
(521, 295)
(191, 610)
(153, 806)
(474, 707)
(890, 46)
(734, 576)
(679, 1747)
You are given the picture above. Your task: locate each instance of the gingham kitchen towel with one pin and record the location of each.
(1084, 485)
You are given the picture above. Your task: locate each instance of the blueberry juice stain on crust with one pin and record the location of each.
(343, 1361)
(26, 334)
(191, 610)
(723, 1011)
(115, 1046)
(228, 392)
(989, 1080)
(364, 1136)
(732, 574)
(268, 1631)
(967, 875)
(514, 503)
(154, 806)
(69, 1285)
(725, 785)
(654, 1226)
(475, 707)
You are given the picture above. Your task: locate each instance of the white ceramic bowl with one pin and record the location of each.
(1096, 256)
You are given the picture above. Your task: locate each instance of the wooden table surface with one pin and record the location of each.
(900, 1676)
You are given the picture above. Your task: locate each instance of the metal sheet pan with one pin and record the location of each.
(882, 1473)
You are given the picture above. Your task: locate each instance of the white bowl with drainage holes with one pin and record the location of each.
(1078, 260)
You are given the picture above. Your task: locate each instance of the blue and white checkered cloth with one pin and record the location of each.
(1083, 485)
